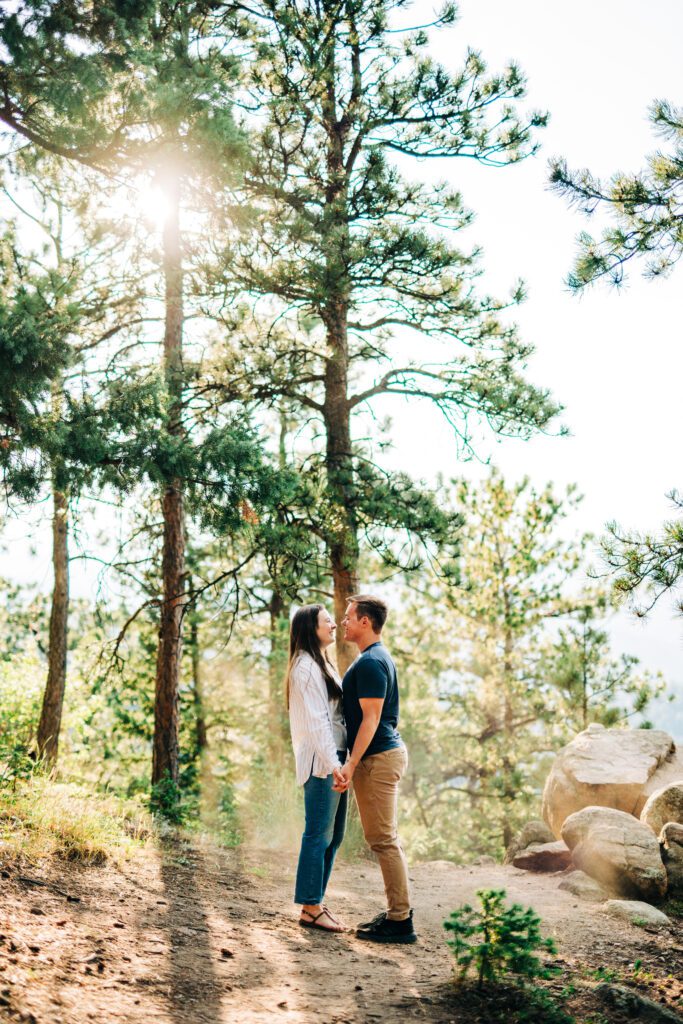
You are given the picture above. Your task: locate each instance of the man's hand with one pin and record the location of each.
(343, 776)
(340, 782)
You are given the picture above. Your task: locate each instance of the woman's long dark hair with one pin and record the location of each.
(303, 638)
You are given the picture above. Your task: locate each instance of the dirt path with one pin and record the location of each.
(195, 934)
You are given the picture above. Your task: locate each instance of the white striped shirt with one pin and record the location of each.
(315, 721)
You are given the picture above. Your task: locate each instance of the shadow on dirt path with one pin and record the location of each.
(195, 989)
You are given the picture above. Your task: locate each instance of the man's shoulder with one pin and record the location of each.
(377, 652)
(376, 659)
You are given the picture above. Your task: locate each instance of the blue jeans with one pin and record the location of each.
(323, 832)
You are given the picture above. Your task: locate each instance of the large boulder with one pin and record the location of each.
(617, 850)
(533, 832)
(664, 805)
(603, 768)
(544, 857)
(671, 840)
(670, 770)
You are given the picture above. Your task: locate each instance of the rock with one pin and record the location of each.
(578, 883)
(670, 770)
(671, 843)
(665, 804)
(632, 1004)
(544, 857)
(603, 768)
(617, 850)
(484, 861)
(533, 832)
(637, 912)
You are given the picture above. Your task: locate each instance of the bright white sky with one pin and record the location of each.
(614, 360)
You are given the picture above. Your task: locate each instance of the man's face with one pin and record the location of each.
(352, 626)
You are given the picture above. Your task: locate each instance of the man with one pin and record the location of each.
(377, 761)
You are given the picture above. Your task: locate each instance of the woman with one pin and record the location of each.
(319, 740)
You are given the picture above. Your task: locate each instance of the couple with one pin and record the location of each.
(327, 719)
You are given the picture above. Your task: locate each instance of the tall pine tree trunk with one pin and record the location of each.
(343, 542)
(165, 752)
(343, 546)
(53, 697)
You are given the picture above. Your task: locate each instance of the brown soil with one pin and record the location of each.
(193, 934)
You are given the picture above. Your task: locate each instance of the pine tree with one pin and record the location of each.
(81, 282)
(144, 88)
(497, 673)
(354, 250)
(647, 211)
(646, 208)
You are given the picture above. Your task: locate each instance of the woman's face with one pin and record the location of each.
(325, 629)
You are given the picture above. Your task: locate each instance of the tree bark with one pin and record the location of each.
(165, 751)
(53, 697)
(343, 548)
(343, 539)
(278, 728)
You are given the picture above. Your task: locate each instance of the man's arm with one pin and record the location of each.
(372, 711)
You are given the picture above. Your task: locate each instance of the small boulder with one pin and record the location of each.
(532, 832)
(544, 857)
(665, 804)
(671, 842)
(603, 768)
(632, 1004)
(617, 850)
(636, 912)
(578, 883)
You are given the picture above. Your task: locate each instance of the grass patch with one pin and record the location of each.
(42, 819)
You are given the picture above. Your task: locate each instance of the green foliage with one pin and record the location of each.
(20, 689)
(647, 566)
(518, 664)
(82, 80)
(15, 763)
(646, 210)
(645, 207)
(166, 801)
(497, 941)
(33, 350)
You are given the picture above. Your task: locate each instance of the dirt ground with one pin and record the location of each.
(193, 934)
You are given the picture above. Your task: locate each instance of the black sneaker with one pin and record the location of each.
(377, 919)
(387, 930)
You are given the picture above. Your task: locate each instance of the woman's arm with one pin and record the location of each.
(314, 710)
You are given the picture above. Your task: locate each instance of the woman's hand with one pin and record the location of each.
(341, 783)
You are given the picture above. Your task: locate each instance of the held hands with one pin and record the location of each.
(343, 776)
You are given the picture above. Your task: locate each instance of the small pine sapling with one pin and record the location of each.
(497, 940)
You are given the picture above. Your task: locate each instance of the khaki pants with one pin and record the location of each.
(375, 784)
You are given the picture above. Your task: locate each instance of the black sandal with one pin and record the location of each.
(313, 922)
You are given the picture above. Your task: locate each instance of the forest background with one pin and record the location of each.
(506, 643)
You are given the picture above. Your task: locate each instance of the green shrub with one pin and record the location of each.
(497, 941)
(166, 801)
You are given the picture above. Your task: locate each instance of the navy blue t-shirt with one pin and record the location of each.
(373, 674)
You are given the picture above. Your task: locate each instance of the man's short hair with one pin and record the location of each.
(374, 607)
